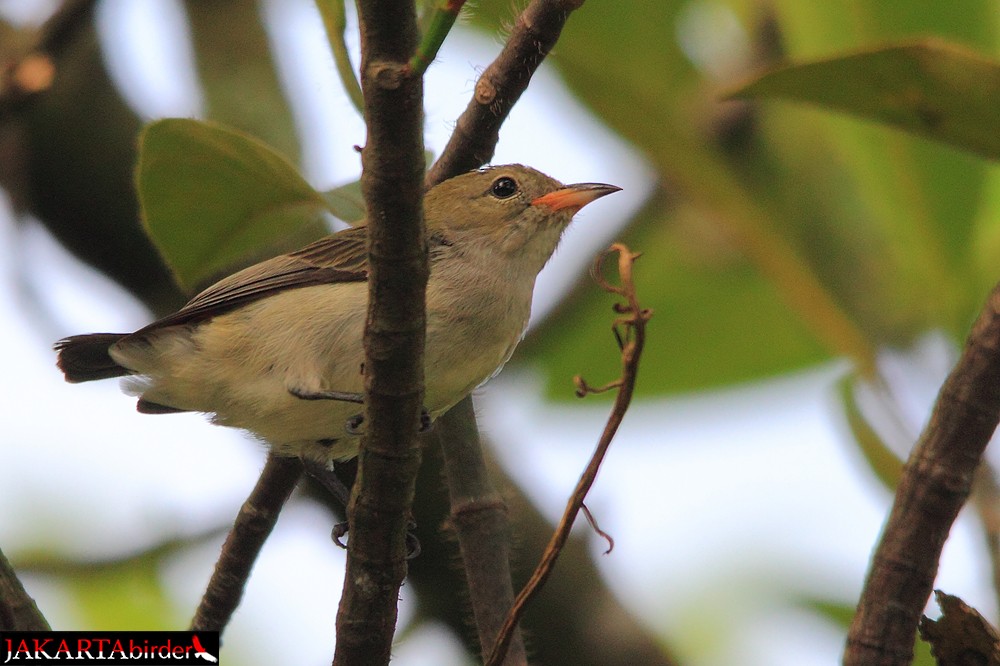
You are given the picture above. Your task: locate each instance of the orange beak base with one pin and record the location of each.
(574, 197)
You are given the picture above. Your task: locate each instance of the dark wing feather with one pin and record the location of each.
(341, 257)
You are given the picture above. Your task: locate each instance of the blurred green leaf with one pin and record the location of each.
(718, 322)
(127, 596)
(865, 235)
(914, 202)
(929, 87)
(836, 613)
(234, 57)
(346, 202)
(881, 459)
(213, 197)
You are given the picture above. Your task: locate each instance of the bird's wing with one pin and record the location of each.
(340, 257)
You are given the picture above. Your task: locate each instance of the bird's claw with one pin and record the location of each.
(353, 424)
(412, 542)
(339, 531)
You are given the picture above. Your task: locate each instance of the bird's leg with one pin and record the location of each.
(353, 424)
(327, 477)
(342, 396)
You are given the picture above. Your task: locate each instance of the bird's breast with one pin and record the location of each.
(474, 321)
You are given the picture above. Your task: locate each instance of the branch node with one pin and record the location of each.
(388, 75)
(486, 92)
(583, 389)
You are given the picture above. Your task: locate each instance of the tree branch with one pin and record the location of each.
(392, 182)
(936, 482)
(479, 517)
(251, 528)
(478, 129)
(18, 611)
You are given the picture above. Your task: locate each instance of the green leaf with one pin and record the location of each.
(346, 202)
(879, 225)
(213, 198)
(881, 459)
(717, 322)
(928, 87)
(127, 595)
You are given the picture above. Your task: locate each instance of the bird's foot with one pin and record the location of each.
(412, 542)
(353, 425)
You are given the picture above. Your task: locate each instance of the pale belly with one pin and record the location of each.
(231, 369)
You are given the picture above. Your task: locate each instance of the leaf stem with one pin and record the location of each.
(335, 23)
(441, 22)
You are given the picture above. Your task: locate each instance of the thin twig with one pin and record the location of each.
(253, 524)
(633, 320)
(335, 23)
(18, 611)
(389, 457)
(935, 484)
(478, 128)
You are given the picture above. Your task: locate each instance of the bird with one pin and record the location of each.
(262, 348)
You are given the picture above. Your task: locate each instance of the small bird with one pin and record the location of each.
(260, 349)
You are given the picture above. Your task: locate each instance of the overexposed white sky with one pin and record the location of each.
(717, 502)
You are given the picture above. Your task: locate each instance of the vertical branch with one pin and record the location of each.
(936, 482)
(479, 517)
(253, 525)
(392, 182)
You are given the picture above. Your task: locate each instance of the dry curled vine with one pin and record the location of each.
(630, 332)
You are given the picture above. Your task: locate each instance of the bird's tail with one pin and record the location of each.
(84, 358)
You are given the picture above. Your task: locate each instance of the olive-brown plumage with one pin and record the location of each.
(244, 349)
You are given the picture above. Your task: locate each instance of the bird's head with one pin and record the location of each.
(511, 208)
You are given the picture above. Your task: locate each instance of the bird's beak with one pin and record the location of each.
(574, 197)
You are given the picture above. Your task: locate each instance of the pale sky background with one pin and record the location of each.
(717, 502)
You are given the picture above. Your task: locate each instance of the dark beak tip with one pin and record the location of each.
(601, 188)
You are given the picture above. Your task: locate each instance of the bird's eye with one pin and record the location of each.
(503, 188)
